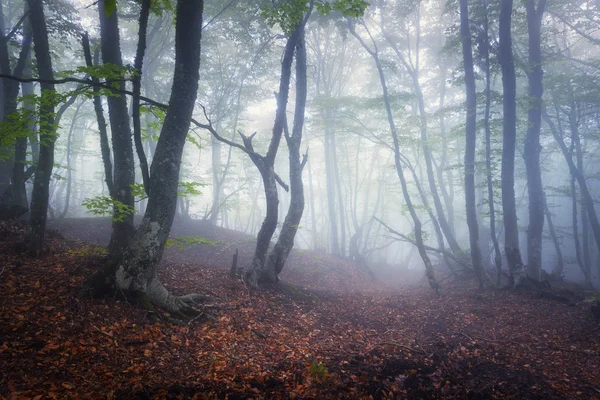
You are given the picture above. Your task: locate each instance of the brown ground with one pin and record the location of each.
(326, 333)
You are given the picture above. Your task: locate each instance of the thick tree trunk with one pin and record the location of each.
(41, 183)
(124, 173)
(509, 128)
(531, 152)
(471, 127)
(285, 242)
(137, 270)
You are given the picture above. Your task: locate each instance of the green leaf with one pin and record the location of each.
(110, 6)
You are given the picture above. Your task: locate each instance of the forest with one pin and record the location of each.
(299, 199)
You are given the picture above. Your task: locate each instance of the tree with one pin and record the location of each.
(418, 229)
(285, 242)
(123, 173)
(41, 183)
(470, 141)
(532, 149)
(509, 140)
(137, 270)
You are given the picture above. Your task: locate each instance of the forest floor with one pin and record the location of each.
(328, 332)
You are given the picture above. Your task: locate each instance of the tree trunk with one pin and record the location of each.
(285, 242)
(509, 128)
(258, 273)
(557, 271)
(531, 152)
(588, 200)
(137, 270)
(41, 183)
(488, 150)
(471, 129)
(69, 163)
(137, 88)
(399, 170)
(313, 220)
(104, 146)
(124, 168)
(330, 178)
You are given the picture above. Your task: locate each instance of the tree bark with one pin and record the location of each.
(124, 173)
(41, 183)
(398, 163)
(137, 269)
(488, 150)
(471, 127)
(104, 146)
(531, 152)
(137, 88)
(557, 271)
(285, 242)
(258, 273)
(509, 128)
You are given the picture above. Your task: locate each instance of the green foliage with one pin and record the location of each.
(104, 205)
(86, 252)
(189, 188)
(287, 14)
(138, 190)
(318, 370)
(182, 242)
(110, 6)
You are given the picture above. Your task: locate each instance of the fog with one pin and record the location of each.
(350, 179)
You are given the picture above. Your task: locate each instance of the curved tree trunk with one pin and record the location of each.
(285, 242)
(259, 273)
(509, 128)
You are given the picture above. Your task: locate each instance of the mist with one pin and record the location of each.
(385, 148)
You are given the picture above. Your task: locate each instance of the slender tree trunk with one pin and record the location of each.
(313, 220)
(509, 127)
(340, 196)
(258, 273)
(41, 183)
(285, 242)
(532, 149)
(329, 176)
(69, 151)
(488, 150)
(471, 129)
(104, 146)
(137, 88)
(398, 163)
(124, 168)
(557, 271)
(576, 142)
(587, 199)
